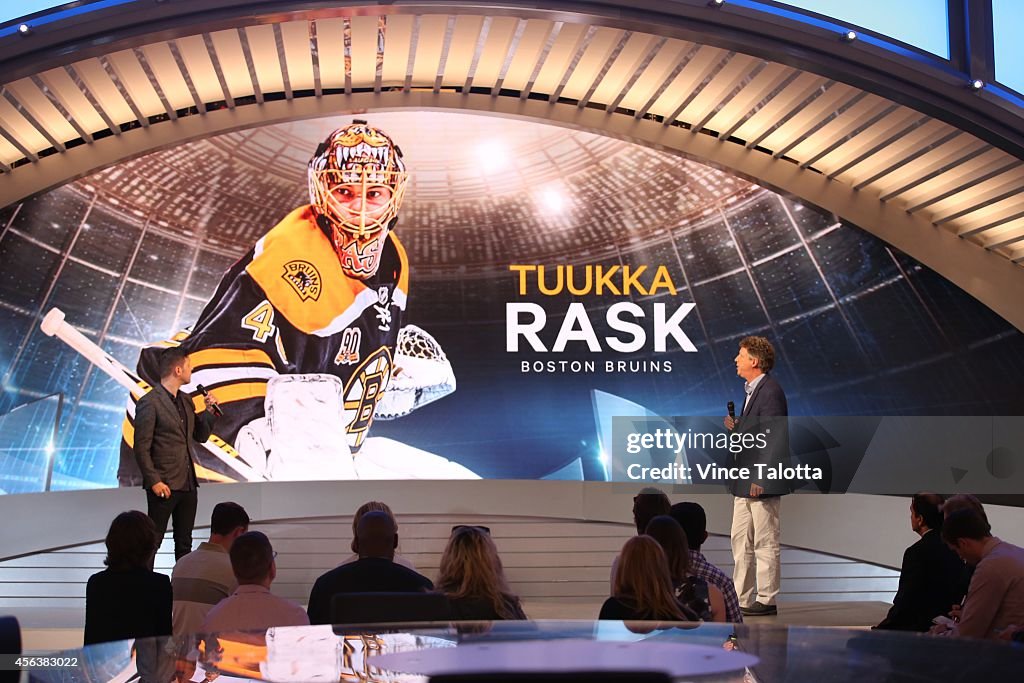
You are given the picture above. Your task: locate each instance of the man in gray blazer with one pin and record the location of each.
(165, 421)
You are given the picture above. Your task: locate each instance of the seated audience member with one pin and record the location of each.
(252, 607)
(932, 577)
(694, 520)
(128, 599)
(647, 505)
(995, 598)
(374, 506)
(204, 577)
(473, 578)
(704, 599)
(374, 571)
(965, 501)
(642, 589)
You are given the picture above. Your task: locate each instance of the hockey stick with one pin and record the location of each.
(54, 325)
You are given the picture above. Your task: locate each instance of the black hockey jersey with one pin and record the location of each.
(287, 308)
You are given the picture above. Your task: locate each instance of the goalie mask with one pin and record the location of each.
(356, 183)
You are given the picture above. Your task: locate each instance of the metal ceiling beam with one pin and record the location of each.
(930, 85)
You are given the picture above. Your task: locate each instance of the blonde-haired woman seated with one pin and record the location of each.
(472, 577)
(642, 586)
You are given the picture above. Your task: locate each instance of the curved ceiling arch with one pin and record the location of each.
(945, 196)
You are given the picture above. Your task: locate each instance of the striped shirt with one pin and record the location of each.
(699, 566)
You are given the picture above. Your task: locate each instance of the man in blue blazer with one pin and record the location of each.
(755, 517)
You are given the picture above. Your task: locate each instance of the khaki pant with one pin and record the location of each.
(755, 543)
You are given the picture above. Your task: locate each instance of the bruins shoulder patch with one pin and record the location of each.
(304, 279)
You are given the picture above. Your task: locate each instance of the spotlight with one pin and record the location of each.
(24, 29)
(493, 156)
(977, 84)
(553, 200)
(716, 3)
(850, 36)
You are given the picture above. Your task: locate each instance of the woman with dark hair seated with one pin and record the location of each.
(696, 593)
(472, 577)
(128, 599)
(642, 586)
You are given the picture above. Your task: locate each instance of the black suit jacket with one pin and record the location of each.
(162, 442)
(766, 410)
(365, 575)
(932, 579)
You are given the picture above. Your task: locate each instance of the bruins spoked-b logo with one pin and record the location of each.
(362, 392)
(304, 279)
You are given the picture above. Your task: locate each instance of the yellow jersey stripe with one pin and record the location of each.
(232, 392)
(229, 357)
(224, 446)
(403, 260)
(210, 475)
(128, 432)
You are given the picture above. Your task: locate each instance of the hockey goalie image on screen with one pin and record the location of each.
(329, 288)
(303, 343)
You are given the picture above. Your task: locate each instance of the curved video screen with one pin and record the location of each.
(542, 282)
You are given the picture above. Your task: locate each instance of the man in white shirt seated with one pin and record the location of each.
(252, 607)
(204, 577)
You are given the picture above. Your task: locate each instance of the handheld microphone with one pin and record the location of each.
(730, 406)
(214, 408)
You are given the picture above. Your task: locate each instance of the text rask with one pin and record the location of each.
(526, 320)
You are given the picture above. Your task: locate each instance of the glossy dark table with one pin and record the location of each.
(690, 652)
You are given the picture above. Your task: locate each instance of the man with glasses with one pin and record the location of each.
(252, 607)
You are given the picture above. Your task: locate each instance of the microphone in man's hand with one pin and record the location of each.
(214, 408)
(732, 409)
